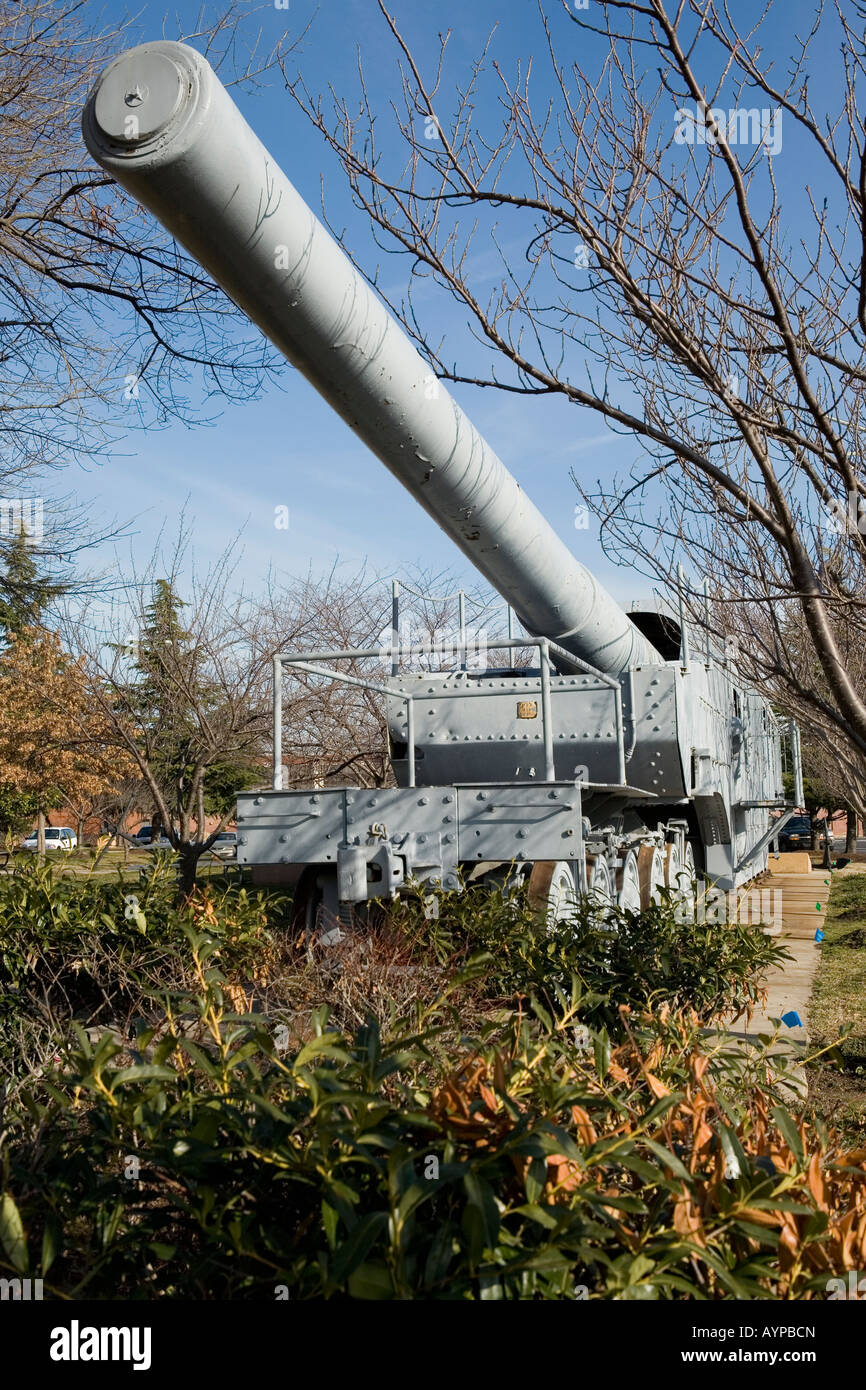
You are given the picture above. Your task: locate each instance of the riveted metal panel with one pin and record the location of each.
(519, 822)
(471, 739)
(307, 827)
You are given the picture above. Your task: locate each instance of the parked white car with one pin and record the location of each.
(56, 837)
(225, 846)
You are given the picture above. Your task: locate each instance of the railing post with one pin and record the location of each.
(546, 728)
(510, 635)
(395, 624)
(278, 724)
(797, 763)
(620, 732)
(461, 611)
(684, 637)
(410, 739)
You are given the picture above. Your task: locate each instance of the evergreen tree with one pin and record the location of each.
(188, 746)
(25, 591)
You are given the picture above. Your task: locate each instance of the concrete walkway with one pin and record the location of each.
(797, 911)
(803, 906)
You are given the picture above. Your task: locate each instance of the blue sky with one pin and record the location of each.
(287, 447)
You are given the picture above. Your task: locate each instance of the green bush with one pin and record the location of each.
(621, 957)
(211, 1155)
(536, 1165)
(102, 951)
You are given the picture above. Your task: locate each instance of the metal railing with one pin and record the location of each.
(460, 595)
(310, 662)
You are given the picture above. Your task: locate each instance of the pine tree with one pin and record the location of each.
(166, 693)
(184, 729)
(25, 592)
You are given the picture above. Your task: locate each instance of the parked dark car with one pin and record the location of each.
(143, 838)
(797, 834)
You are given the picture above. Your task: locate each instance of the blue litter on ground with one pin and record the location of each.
(792, 1019)
(819, 935)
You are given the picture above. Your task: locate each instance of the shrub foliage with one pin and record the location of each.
(588, 1137)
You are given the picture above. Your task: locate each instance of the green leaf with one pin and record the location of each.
(199, 1056)
(371, 1281)
(538, 1214)
(735, 1157)
(356, 1247)
(50, 1244)
(601, 1048)
(330, 1221)
(785, 1123)
(12, 1234)
(149, 1072)
(410, 1200)
(322, 1046)
(669, 1159)
(484, 1229)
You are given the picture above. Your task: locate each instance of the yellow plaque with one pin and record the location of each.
(527, 709)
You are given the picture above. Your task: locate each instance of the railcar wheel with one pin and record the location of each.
(315, 908)
(599, 883)
(552, 890)
(651, 866)
(673, 866)
(690, 887)
(628, 896)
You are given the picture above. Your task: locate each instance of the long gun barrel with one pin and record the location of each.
(161, 122)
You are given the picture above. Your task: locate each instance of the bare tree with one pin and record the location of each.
(182, 681)
(105, 325)
(335, 732)
(670, 262)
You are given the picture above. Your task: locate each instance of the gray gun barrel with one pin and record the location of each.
(161, 122)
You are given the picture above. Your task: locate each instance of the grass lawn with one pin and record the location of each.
(837, 1087)
(82, 862)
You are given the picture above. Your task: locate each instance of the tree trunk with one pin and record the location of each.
(40, 834)
(851, 834)
(187, 869)
(826, 862)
